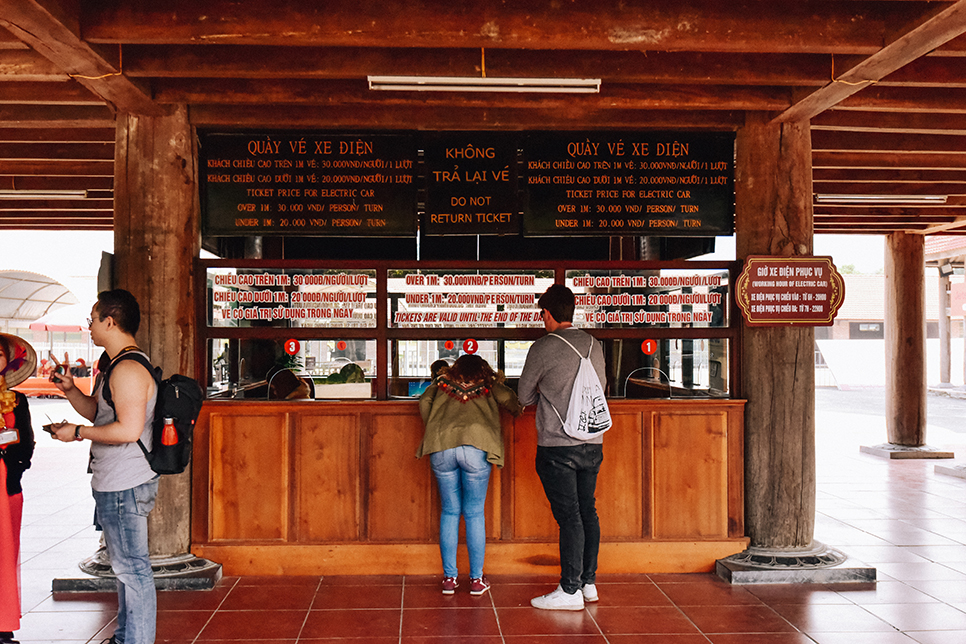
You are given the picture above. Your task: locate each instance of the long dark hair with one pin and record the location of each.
(472, 368)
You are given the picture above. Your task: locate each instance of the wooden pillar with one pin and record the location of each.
(945, 333)
(773, 200)
(905, 339)
(156, 241)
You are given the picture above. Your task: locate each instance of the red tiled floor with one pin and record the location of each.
(642, 619)
(863, 502)
(737, 619)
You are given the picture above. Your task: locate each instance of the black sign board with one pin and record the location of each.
(471, 184)
(308, 183)
(629, 183)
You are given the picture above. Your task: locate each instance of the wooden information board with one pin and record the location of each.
(311, 183)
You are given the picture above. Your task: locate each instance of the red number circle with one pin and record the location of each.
(340, 345)
(471, 346)
(449, 345)
(649, 347)
(292, 347)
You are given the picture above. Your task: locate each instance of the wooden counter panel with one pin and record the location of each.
(327, 470)
(401, 503)
(532, 518)
(690, 470)
(249, 476)
(620, 484)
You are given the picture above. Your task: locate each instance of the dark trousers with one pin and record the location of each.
(569, 477)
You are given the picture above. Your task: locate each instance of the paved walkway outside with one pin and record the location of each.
(899, 516)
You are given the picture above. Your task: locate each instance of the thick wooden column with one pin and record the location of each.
(773, 196)
(905, 339)
(156, 240)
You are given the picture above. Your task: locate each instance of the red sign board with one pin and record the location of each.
(806, 291)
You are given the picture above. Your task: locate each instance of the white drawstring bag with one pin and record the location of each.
(587, 413)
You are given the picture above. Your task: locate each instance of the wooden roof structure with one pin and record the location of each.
(883, 83)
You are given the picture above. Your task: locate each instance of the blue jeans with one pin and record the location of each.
(569, 477)
(462, 474)
(123, 516)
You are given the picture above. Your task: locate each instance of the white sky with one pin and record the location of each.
(73, 257)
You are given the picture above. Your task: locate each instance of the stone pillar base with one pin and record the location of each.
(173, 572)
(817, 564)
(893, 451)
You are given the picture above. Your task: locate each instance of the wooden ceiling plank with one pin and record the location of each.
(226, 61)
(907, 99)
(42, 25)
(959, 225)
(57, 135)
(57, 205)
(56, 116)
(887, 142)
(822, 187)
(941, 27)
(57, 168)
(57, 151)
(658, 25)
(28, 182)
(39, 93)
(869, 160)
(905, 122)
(853, 175)
(28, 65)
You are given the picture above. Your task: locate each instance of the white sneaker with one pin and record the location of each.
(589, 592)
(559, 600)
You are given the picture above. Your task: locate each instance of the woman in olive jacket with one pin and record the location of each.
(463, 437)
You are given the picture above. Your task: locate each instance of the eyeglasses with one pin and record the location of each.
(90, 323)
(541, 313)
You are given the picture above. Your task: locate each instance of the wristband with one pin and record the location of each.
(77, 436)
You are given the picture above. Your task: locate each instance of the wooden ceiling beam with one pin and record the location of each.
(875, 160)
(28, 65)
(57, 205)
(904, 122)
(52, 30)
(955, 226)
(23, 182)
(821, 187)
(55, 116)
(939, 28)
(57, 168)
(572, 116)
(335, 93)
(57, 151)
(57, 135)
(887, 212)
(659, 25)
(33, 93)
(907, 99)
(853, 175)
(226, 61)
(887, 142)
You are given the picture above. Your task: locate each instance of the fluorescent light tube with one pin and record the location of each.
(468, 84)
(880, 199)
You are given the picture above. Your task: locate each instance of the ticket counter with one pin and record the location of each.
(300, 488)
(330, 484)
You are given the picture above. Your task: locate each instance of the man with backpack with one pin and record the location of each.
(123, 483)
(567, 466)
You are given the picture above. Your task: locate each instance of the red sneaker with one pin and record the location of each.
(479, 586)
(450, 585)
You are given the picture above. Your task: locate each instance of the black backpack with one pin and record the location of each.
(179, 398)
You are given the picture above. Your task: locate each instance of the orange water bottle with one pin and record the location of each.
(169, 435)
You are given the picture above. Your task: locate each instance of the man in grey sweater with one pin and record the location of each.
(567, 467)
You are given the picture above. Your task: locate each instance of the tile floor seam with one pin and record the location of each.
(213, 612)
(496, 615)
(308, 611)
(402, 606)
